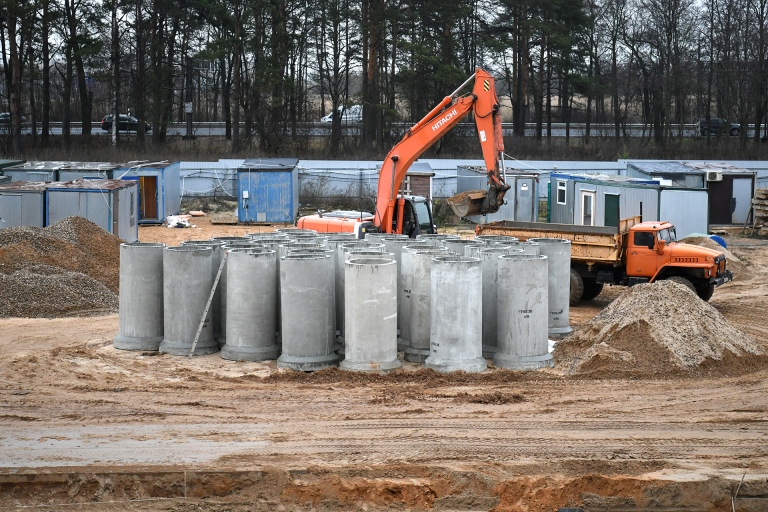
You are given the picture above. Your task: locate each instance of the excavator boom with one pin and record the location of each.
(484, 103)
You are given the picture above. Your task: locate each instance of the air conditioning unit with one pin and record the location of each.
(714, 176)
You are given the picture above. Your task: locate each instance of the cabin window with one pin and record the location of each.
(561, 187)
(644, 239)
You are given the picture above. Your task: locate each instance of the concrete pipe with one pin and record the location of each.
(473, 251)
(417, 300)
(523, 312)
(456, 322)
(459, 246)
(294, 244)
(379, 237)
(341, 252)
(289, 231)
(252, 302)
(531, 248)
(187, 283)
(495, 239)
(219, 296)
(371, 315)
(558, 252)
(395, 246)
(259, 235)
(141, 297)
(307, 297)
(226, 239)
(489, 258)
(436, 239)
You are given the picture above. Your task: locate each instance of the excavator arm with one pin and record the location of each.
(482, 101)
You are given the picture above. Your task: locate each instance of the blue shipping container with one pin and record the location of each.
(268, 190)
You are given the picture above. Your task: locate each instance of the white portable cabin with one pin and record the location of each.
(110, 204)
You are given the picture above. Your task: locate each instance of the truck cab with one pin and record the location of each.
(653, 253)
(413, 216)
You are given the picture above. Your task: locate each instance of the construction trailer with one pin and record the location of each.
(521, 202)
(112, 205)
(268, 190)
(730, 188)
(42, 171)
(88, 171)
(22, 203)
(602, 200)
(159, 188)
(9, 163)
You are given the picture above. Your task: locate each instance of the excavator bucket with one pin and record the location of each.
(468, 203)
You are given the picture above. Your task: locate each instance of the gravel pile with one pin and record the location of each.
(70, 268)
(656, 329)
(45, 291)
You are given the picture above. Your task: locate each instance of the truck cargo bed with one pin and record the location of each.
(589, 244)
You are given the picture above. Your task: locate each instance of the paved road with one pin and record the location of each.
(323, 130)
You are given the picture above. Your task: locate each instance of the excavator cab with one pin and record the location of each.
(416, 216)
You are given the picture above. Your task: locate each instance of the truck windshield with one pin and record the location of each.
(425, 219)
(668, 235)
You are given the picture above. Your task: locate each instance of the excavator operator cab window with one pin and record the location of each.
(424, 218)
(644, 239)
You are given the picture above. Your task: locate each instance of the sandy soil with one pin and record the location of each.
(83, 422)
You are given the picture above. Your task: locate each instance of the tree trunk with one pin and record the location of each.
(46, 63)
(85, 94)
(15, 92)
(236, 81)
(115, 57)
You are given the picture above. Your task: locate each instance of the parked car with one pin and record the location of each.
(5, 118)
(717, 126)
(351, 114)
(127, 124)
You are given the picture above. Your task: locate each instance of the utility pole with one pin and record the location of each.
(189, 95)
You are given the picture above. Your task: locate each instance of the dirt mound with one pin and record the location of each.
(654, 330)
(733, 263)
(71, 267)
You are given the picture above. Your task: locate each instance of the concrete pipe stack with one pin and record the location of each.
(141, 296)
(523, 312)
(417, 300)
(252, 304)
(187, 283)
(558, 253)
(307, 323)
(489, 262)
(456, 323)
(371, 315)
(217, 312)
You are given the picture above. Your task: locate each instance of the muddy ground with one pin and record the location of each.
(81, 422)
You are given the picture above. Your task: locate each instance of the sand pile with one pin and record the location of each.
(732, 262)
(67, 269)
(653, 330)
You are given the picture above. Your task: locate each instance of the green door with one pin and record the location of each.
(612, 210)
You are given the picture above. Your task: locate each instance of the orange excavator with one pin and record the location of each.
(398, 213)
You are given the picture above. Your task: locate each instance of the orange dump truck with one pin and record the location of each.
(635, 252)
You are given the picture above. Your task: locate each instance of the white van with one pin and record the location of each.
(351, 114)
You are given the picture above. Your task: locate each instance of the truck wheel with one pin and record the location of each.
(591, 289)
(577, 288)
(683, 281)
(705, 291)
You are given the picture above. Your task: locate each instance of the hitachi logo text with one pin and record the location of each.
(450, 115)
